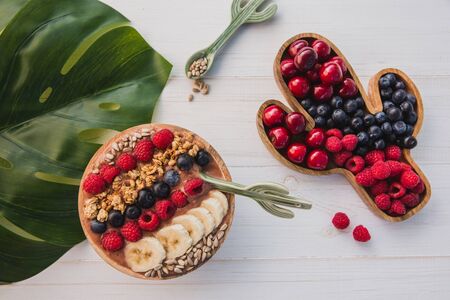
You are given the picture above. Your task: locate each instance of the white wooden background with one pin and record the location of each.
(305, 258)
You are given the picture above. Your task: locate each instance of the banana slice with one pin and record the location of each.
(221, 197)
(193, 226)
(144, 254)
(205, 217)
(175, 239)
(215, 208)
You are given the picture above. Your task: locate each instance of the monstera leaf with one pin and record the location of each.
(72, 73)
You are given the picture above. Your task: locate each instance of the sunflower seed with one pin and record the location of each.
(145, 130)
(183, 257)
(111, 163)
(206, 249)
(120, 146)
(191, 255)
(125, 138)
(159, 273)
(198, 253)
(109, 156)
(138, 135)
(176, 270)
(170, 268)
(189, 261)
(190, 268)
(125, 144)
(165, 270)
(145, 133)
(171, 261)
(220, 234)
(216, 242)
(203, 256)
(158, 267)
(209, 242)
(181, 262)
(223, 227)
(127, 149)
(115, 146)
(133, 139)
(153, 273)
(204, 240)
(148, 274)
(179, 267)
(208, 255)
(189, 250)
(195, 261)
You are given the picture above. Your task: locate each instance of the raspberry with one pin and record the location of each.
(405, 166)
(409, 179)
(355, 164)
(179, 198)
(341, 158)
(381, 170)
(398, 208)
(333, 144)
(396, 190)
(340, 220)
(165, 209)
(395, 166)
(381, 187)
(349, 142)
(361, 234)
(109, 173)
(162, 139)
(418, 189)
(365, 178)
(131, 231)
(143, 150)
(148, 221)
(410, 200)
(193, 186)
(393, 152)
(112, 241)
(374, 156)
(94, 184)
(126, 162)
(334, 132)
(383, 201)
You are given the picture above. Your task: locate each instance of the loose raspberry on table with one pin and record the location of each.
(410, 200)
(383, 201)
(381, 187)
(165, 209)
(381, 170)
(143, 150)
(162, 139)
(148, 221)
(179, 198)
(355, 164)
(396, 190)
(340, 220)
(126, 162)
(409, 179)
(398, 208)
(341, 158)
(334, 132)
(112, 241)
(365, 178)
(333, 144)
(373, 156)
(131, 231)
(419, 188)
(393, 152)
(349, 142)
(193, 186)
(109, 173)
(94, 184)
(395, 166)
(361, 234)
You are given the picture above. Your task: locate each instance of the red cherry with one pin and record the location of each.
(340, 62)
(299, 86)
(296, 46)
(273, 115)
(348, 88)
(323, 49)
(317, 160)
(313, 75)
(323, 92)
(288, 68)
(296, 152)
(331, 73)
(305, 59)
(295, 122)
(279, 136)
(315, 138)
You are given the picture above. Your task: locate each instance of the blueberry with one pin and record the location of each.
(398, 96)
(411, 98)
(400, 85)
(390, 138)
(347, 130)
(161, 190)
(98, 227)
(391, 77)
(324, 110)
(312, 111)
(115, 218)
(357, 124)
(320, 121)
(146, 198)
(386, 128)
(361, 151)
(375, 132)
(340, 117)
(411, 118)
(369, 120)
(132, 212)
(330, 123)
(185, 162)
(384, 82)
(380, 117)
(203, 158)
(306, 103)
(406, 106)
(359, 102)
(379, 144)
(363, 138)
(359, 113)
(386, 93)
(409, 142)
(350, 106)
(387, 105)
(337, 102)
(394, 114)
(409, 129)
(172, 177)
(399, 128)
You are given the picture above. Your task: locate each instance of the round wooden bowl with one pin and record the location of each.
(373, 104)
(114, 258)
